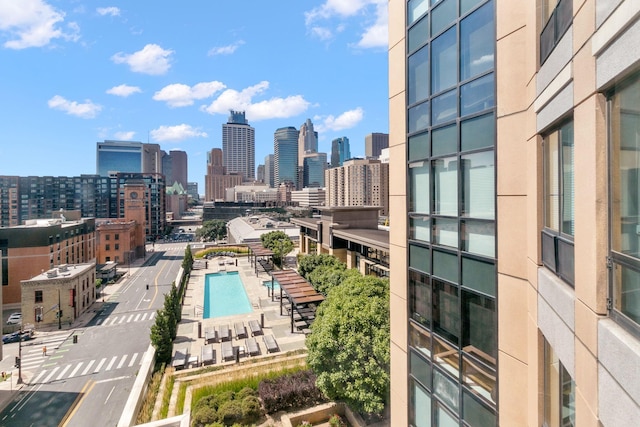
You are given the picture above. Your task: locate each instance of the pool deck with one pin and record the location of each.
(279, 326)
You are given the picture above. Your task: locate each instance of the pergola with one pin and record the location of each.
(301, 295)
(256, 250)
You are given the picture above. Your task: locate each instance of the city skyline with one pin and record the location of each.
(82, 74)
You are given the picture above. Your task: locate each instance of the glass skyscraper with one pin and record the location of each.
(285, 155)
(340, 151)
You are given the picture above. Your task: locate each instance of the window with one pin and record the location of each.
(38, 296)
(117, 236)
(559, 392)
(107, 247)
(557, 16)
(420, 298)
(107, 237)
(624, 124)
(557, 236)
(117, 246)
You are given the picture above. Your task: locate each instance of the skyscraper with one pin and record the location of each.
(314, 166)
(340, 151)
(307, 140)
(127, 156)
(174, 167)
(285, 155)
(238, 146)
(269, 174)
(374, 143)
(217, 179)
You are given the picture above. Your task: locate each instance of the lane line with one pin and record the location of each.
(76, 403)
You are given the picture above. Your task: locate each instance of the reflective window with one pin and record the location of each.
(558, 179)
(419, 258)
(445, 172)
(445, 232)
(418, 76)
(418, 146)
(479, 275)
(419, 187)
(445, 265)
(626, 291)
(420, 369)
(477, 42)
(477, 96)
(443, 15)
(415, 9)
(479, 237)
(420, 339)
(420, 298)
(420, 415)
(445, 140)
(418, 34)
(446, 356)
(467, 5)
(418, 117)
(559, 391)
(448, 391)
(476, 414)
(478, 178)
(446, 312)
(420, 228)
(478, 132)
(444, 61)
(444, 108)
(479, 327)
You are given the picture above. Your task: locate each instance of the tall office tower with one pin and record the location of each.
(174, 167)
(238, 146)
(127, 156)
(374, 143)
(192, 190)
(285, 156)
(358, 182)
(217, 180)
(260, 173)
(269, 173)
(307, 140)
(555, 267)
(314, 166)
(340, 151)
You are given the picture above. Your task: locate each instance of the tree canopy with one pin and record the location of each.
(279, 243)
(308, 263)
(214, 229)
(349, 343)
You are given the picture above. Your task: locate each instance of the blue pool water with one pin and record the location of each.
(224, 295)
(267, 283)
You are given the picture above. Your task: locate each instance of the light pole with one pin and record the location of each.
(59, 312)
(19, 381)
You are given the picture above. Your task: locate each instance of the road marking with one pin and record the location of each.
(144, 316)
(35, 380)
(46, 380)
(152, 315)
(76, 403)
(133, 359)
(108, 368)
(99, 322)
(137, 317)
(109, 395)
(87, 368)
(64, 371)
(75, 371)
(121, 320)
(108, 380)
(130, 317)
(99, 365)
(122, 361)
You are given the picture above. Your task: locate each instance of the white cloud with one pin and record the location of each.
(272, 108)
(33, 23)
(346, 120)
(123, 90)
(180, 95)
(225, 50)
(176, 133)
(375, 24)
(87, 110)
(152, 59)
(111, 10)
(125, 136)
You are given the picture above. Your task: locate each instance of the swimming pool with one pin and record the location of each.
(267, 283)
(224, 295)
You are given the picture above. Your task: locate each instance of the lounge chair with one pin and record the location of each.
(270, 343)
(180, 359)
(240, 330)
(252, 347)
(227, 351)
(207, 355)
(225, 333)
(209, 336)
(255, 327)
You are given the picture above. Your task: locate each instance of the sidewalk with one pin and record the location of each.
(9, 386)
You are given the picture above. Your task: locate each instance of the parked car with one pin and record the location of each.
(14, 319)
(15, 337)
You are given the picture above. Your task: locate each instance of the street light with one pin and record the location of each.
(19, 381)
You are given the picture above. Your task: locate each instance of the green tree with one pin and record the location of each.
(170, 312)
(187, 261)
(308, 263)
(161, 338)
(214, 229)
(325, 278)
(349, 344)
(279, 243)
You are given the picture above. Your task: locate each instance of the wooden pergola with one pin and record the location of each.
(301, 295)
(256, 250)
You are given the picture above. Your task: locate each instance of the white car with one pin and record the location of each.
(14, 319)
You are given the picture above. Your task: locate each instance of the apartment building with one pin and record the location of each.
(514, 251)
(358, 182)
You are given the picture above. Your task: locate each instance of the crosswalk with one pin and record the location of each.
(86, 367)
(117, 319)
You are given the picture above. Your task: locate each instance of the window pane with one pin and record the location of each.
(478, 177)
(419, 117)
(477, 42)
(445, 232)
(419, 187)
(443, 16)
(419, 258)
(478, 132)
(551, 184)
(448, 391)
(479, 237)
(479, 327)
(419, 146)
(477, 95)
(420, 298)
(467, 5)
(420, 415)
(445, 265)
(420, 369)
(479, 275)
(445, 140)
(418, 34)
(476, 414)
(566, 137)
(444, 108)
(626, 292)
(420, 228)
(446, 356)
(446, 312)
(445, 173)
(443, 61)
(415, 9)
(568, 393)
(625, 168)
(420, 339)
(418, 76)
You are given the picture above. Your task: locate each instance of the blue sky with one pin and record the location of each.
(77, 72)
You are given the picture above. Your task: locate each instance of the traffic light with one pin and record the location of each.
(17, 365)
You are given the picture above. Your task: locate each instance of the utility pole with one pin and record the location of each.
(19, 381)
(59, 312)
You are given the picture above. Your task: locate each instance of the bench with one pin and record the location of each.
(270, 343)
(240, 331)
(252, 347)
(227, 351)
(255, 327)
(225, 333)
(207, 355)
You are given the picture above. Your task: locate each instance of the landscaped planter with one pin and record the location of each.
(321, 414)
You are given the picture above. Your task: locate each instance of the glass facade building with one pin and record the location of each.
(285, 155)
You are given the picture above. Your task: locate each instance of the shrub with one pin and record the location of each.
(336, 421)
(245, 392)
(230, 412)
(204, 416)
(290, 391)
(251, 409)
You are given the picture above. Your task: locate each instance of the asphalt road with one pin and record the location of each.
(87, 383)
